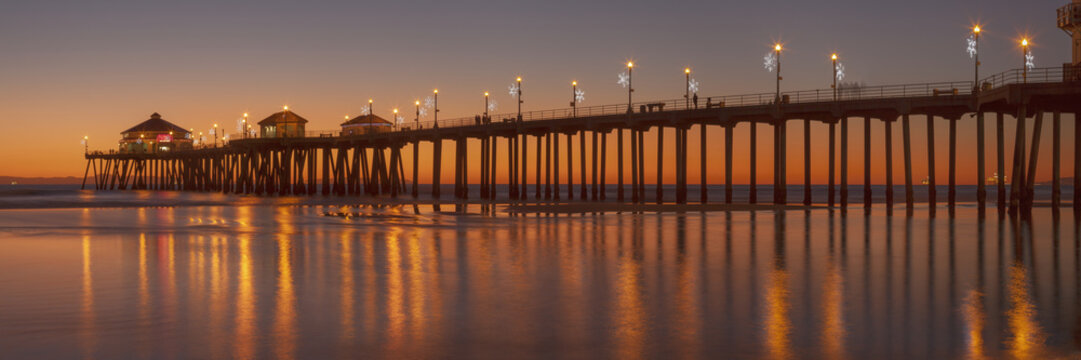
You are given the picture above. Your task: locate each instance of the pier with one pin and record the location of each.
(331, 163)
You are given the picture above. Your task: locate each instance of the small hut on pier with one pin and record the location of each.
(366, 124)
(153, 136)
(281, 124)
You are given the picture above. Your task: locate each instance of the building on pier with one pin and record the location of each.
(366, 124)
(281, 124)
(154, 135)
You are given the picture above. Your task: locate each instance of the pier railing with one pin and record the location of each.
(843, 93)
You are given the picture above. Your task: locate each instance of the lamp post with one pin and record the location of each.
(395, 119)
(687, 88)
(519, 80)
(976, 57)
(371, 114)
(630, 85)
(574, 98)
(1024, 57)
(833, 60)
(244, 125)
(416, 118)
(215, 135)
(435, 110)
(777, 51)
(485, 106)
(86, 144)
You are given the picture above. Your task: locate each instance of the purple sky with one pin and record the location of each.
(95, 68)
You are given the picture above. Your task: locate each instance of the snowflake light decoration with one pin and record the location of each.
(1030, 61)
(82, 142)
(422, 111)
(240, 125)
(692, 86)
(212, 131)
(579, 96)
(428, 103)
(398, 119)
(624, 79)
(252, 132)
(513, 89)
(367, 109)
(770, 62)
(492, 105)
(840, 71)
(970, 47)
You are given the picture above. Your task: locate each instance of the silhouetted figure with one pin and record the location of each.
(695, 100)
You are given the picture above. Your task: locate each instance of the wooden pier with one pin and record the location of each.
(372, 164)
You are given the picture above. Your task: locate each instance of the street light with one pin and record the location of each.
(1024, 66)
(687, 88)
(629, 84)
(777, 51)
(574, 98)
(86, 144)
(833, 60)
(485, 105)
(519, 80)
(215, 135)
(395, 117)
(975, 53)
(371, 114)
(435, 110)
(416, 119)
(244, 125)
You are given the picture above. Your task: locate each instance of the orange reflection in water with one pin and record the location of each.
(778, 325)
(974, 316)
(395, 292)
(833, 326)
(629, 314)
(346, 254)
(285, 303)
(87, 338)
(417, 287)
(243, 340)
(1026, 339)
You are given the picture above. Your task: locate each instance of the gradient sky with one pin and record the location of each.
(78, 68)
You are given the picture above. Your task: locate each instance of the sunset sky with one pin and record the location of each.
(75, 68)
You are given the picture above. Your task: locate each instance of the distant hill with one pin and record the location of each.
(69, 180)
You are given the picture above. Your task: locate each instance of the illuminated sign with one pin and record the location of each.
(164, 138)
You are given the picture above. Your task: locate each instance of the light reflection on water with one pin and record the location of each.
(287, 282)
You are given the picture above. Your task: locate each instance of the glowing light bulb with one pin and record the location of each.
(630, 64)
(687, 70)
(436, 91)
(777, 47)
(976, 29)
(485, 94)
(285, 107)
(833, 57)
(1024, 42)
(417, 103)
(519, 79)
(574, 83)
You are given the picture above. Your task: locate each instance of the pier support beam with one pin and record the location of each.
(952, 194)
(582, 163)
(981, 184)
(537, 177)
(830, 190)
(570, 166)
(604, 163)
(634, 166)
(806, 162)
(1018, 184)
(437, 159)
(866, 161)
(555, 166)
(728, 129)
(753, 195)
(1056, 161)
(619, 164)
(660, 164)
(931, 198)
(1030, 178)
(844, 162)
(907, 139)
(1000, 179)
(593, 167)
(889, 163)
(704, 195)
(547, 166)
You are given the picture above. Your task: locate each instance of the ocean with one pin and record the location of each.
(161, 275)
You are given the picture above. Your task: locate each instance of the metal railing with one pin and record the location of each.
(1019, 76)
(844, 93)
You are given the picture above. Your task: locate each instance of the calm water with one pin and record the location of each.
(259, 280)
